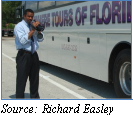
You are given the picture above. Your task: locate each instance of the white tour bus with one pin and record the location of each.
(92, 38)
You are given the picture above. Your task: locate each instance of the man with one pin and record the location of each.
(27, 58)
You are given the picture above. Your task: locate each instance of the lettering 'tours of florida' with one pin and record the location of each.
(117, 11)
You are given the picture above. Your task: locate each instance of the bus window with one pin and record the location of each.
(58, 3)
(44, 4)
(31, 5)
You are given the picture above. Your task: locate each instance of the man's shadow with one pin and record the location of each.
(26, 95)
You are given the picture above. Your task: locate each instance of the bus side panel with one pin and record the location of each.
(43, 50)
(103, 61)
(89, 55)
(70, 51)
(54, 51)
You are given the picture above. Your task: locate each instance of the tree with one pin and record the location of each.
(8, 12)
(11, 26)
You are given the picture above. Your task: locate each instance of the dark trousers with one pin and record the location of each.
(27, 65)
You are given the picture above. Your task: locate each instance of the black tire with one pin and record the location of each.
(122, 74)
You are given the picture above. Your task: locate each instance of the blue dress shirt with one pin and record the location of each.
(21, 31)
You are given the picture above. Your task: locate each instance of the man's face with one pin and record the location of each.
(29, 17)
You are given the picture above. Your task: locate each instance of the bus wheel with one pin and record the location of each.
(122, 74)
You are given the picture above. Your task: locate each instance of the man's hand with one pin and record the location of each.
(35, 24)
(39, 31)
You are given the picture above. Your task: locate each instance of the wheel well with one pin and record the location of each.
(119, 47)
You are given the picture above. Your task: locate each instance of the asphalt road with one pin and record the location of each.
(54, 83)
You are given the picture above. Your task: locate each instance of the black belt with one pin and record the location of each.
(25, 51)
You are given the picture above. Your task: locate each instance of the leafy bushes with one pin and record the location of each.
(11, 26)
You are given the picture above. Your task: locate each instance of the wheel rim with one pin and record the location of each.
(125, 78)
